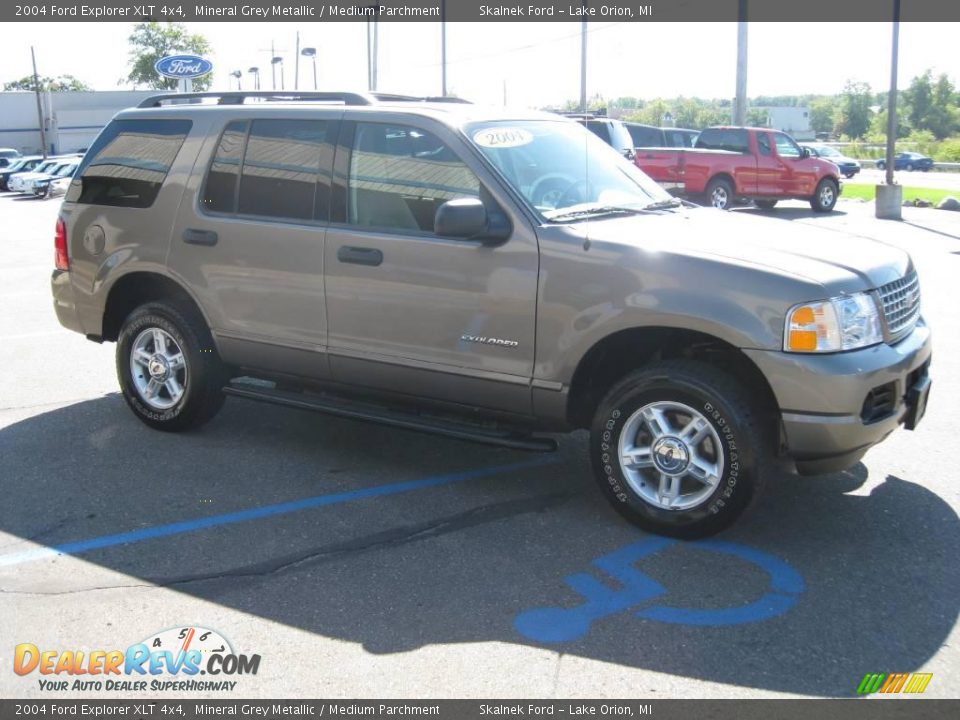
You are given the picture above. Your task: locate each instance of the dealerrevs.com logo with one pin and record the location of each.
(182, 659)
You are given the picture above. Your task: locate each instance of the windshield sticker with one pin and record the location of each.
(507, 137)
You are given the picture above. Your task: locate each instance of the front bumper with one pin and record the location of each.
(822, 398)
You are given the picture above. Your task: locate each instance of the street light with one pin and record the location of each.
(237, 74)
(255, 71)
(312, 54)
(274, 62)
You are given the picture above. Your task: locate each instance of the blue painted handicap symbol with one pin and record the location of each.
(559, 624)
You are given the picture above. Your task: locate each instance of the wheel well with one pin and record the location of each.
(135, 289)
(723, 176)
(628, 350)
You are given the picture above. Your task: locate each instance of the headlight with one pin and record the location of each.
(841, 323)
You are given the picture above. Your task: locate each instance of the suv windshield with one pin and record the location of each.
(563, 169)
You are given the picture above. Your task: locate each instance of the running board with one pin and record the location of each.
(262, 391)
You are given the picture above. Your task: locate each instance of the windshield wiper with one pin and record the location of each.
(596, 211)
(664, 204)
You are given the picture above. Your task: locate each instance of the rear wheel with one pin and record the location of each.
(169, 371)
(765, 204)
(825, 196)
(675, 448)
(881, 165)
(720, 194)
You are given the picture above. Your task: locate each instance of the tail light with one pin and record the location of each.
(61, 259)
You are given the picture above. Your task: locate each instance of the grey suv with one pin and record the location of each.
(457, 270)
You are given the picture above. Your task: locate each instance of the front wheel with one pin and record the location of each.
(881, 166)
(675, 448)
(168, 368)
(825, 196)
(720, 194)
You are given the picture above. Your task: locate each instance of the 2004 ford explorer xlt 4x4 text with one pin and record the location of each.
(483, 275)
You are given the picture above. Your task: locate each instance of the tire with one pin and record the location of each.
(881, 166)
(732, 440)
(200, 377)
(719, 194)
(765, 204)
(825, 196)
(909, 167)
(848, 175)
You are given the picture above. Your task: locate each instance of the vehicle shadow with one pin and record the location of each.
(459, 562)
(786, 213)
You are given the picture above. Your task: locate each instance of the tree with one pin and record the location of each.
(852, 116)
(821, 114)
(932, 105)
(61, 83)
(151, 41)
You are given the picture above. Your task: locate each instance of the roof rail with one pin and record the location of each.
(239, 97)
(392, 97)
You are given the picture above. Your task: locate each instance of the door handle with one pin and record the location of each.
(192, 236)
(359, 255)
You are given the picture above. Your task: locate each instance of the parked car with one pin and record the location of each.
(728, 163)
(416, 277)
(24, 164)
(58, 187)
(20, 182)
(7, 155)
(908, 161)
(848, 166)
(648, 136)
(613, 132)
(40, 186)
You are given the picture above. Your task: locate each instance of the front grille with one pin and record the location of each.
(900, 300)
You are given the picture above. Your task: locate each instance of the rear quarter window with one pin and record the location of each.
(732, 139)
(128, 163)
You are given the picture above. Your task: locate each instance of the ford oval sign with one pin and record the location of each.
(182, 67)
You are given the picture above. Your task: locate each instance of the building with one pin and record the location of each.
(795, 121)
(71, 119)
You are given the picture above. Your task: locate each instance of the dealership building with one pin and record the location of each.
(71, 119)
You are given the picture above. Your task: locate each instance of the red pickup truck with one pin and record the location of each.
(727, 163)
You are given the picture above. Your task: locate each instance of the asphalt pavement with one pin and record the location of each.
(362, 561)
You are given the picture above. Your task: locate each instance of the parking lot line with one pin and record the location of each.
(185, 526)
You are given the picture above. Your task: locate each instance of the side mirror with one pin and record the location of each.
(467, 218)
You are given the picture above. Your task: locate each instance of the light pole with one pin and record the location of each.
(255, 71)
(274, 62)
(237, 74)
(312, 54)
(889, 197)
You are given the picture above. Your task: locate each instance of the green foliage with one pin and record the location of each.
(822, 110)
(933, 104)
(61, 83)
(949, 150)
(151, 41)
(853, 115)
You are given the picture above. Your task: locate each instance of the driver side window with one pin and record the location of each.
(400, 175)
(786, 148)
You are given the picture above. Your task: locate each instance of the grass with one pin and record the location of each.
(868, 192)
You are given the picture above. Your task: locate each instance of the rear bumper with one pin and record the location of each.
(822, 398)
(64, 302)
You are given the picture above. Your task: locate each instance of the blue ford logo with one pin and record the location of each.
(183, 66)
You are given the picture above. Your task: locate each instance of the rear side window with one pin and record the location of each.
(272, 170)
(601, 130)
(128, 163)
(731, 139)
(645, 136)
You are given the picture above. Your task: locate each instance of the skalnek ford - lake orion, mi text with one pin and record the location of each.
(572, 10)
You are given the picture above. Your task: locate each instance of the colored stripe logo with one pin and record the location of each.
(891, 683)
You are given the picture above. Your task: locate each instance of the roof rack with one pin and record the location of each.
(239, 97)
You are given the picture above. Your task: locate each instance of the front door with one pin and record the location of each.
(412, 312)
(798, 176)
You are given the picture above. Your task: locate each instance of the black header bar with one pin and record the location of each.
(480, 11)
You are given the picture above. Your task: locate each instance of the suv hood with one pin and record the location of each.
(840, 262)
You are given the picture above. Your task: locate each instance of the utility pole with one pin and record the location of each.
(583, 61)
(889, 197)
(443, 47)
(296, 65)
(36, 88)
(740, 103)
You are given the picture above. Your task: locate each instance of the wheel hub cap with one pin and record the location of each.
(158, 367)
(671, 455)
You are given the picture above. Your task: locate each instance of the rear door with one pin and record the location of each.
(410, 311)
(249, 238)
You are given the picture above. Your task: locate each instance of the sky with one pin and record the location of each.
(533, 64)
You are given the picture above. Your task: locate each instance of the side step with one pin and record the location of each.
(266, 392)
